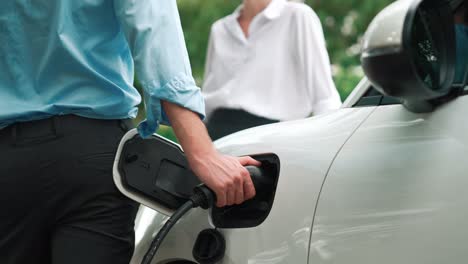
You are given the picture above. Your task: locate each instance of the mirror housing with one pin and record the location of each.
(409, 52)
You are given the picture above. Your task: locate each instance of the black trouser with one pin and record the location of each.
(58, 201)
(227, 121)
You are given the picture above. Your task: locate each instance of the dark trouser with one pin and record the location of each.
(227, 121)
(58, 201)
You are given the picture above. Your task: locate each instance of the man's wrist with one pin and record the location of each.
(197, 157)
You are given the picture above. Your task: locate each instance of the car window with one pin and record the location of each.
(425, 49)
(375, 98)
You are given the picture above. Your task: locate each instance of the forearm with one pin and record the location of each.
(190, 132)
(225, 175)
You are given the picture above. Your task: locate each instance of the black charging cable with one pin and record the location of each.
(202, 197)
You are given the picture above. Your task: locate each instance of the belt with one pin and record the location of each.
(56, 126)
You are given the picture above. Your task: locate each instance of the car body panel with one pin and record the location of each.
(396, 192)
(306, 149)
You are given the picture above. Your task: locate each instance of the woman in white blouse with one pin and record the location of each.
(266, 62)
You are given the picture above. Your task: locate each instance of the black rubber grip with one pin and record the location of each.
(258, 178)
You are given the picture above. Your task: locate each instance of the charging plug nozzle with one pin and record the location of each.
(203, 197)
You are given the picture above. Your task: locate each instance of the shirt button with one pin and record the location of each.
(177, 84)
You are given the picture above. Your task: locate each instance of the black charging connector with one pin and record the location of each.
(202, 197)
(165, 230)
(155, 171)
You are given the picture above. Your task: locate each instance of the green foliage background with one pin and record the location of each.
(344, 23)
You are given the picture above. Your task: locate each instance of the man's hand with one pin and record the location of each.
(225, 175)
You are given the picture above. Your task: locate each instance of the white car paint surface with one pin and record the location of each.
(394, 191)
(306, 150)
(397, 192)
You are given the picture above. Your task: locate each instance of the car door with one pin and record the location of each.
(305, 149)
(397, 191)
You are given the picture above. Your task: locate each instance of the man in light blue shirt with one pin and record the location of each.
(66, 81)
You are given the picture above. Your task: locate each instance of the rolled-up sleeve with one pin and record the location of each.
(155, 38)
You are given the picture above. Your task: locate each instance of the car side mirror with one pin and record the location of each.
(409, 52)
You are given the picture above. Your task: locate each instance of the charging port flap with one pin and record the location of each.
(153, 172)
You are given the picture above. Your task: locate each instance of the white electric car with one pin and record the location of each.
(382, 180)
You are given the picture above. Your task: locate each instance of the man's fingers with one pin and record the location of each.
(220, 199)
(240, 195)
(249, 189)
(231, 196)
(248, 186)
(245, 161)
(231, 181)
(239, 192)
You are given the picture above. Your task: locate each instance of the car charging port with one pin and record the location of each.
(156, 173)
(253, 212)
(209, 247)
(205, 198)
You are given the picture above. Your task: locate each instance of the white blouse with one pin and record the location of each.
(281, 71)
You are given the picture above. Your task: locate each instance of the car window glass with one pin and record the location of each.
(372, 97)
(426, 50)
(461, 40)
(372, 92)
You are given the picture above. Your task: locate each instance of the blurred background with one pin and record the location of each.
(344, 23)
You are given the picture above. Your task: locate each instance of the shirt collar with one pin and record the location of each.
(272, 11)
